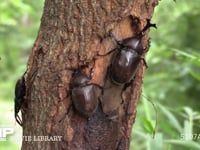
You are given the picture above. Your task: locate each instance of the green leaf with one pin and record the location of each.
(194, 75)
(148, 126)
(172, 119)
(188, 144)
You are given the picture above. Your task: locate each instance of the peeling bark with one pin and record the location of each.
(71, 34)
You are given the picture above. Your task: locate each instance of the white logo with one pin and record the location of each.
(4, 132)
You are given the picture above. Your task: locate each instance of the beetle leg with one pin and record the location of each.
(122, 95)
(144, 61)
(108, 53)
(125, 87)
(115, 40)
(127, 84)
(18, 119)
(146, 49)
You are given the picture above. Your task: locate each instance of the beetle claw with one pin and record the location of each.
(145, 63)
(18, 119)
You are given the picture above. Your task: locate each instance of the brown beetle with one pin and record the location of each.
(20, 91)
(127, 57)
(84, 94)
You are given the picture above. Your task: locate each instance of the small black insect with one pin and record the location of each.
(84, 95)
(127, 57)
(20, 91)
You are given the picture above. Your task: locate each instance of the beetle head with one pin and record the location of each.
(79, 79)
(135, 42)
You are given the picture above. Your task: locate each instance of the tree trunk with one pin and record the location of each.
(71, 34)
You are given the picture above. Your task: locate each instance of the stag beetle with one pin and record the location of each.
(84, 94)
(127, 57)
(20, 92)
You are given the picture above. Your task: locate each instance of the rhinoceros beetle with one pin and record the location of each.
(84, 95)
(20, 91)
(127, 57)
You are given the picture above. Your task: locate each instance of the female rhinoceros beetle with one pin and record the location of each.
(20, 91)
(127, 57)
(84, 95)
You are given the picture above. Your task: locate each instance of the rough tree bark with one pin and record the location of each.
(71, 34)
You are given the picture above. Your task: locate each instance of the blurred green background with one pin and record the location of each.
(19, 24)
(172, 81)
